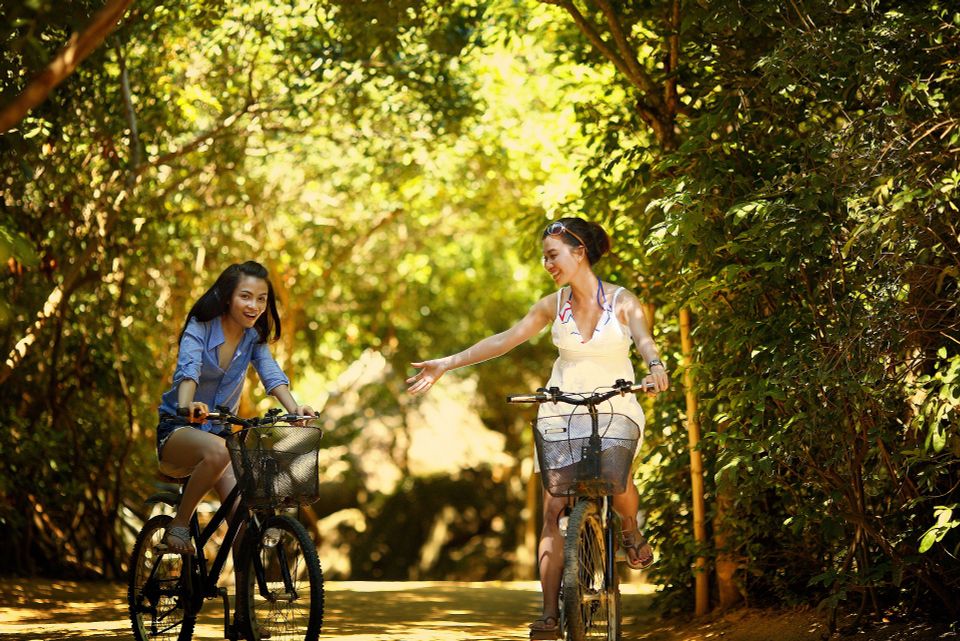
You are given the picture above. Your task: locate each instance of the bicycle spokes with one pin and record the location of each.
(283, 592)
(156, 595)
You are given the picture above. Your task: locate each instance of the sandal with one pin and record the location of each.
(177, 540)
(633, 540)
(542, 628)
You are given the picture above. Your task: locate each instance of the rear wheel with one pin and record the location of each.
(280, 585)
(590, 605)
(155, 593)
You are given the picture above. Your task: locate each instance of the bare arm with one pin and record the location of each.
(490, 347)
(282, 394)
(631, 313)
(197, 411)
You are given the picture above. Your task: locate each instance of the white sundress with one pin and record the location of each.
(584, 366)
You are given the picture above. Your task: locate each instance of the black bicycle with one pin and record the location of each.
(586, 457)
(279, 582)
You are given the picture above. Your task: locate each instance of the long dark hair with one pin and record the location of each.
(216, 300)
(596, 242)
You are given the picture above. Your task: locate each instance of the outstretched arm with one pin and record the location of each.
(490, 347)
(633, 316)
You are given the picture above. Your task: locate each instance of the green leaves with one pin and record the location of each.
(941, 529)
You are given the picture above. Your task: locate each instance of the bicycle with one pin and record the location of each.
(279, 582)
(589, 468)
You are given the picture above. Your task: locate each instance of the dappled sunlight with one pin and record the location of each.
(448, 434)
(355, 610)
(39, 610)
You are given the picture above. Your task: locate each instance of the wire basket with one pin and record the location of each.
(571, 465)
(278, 465)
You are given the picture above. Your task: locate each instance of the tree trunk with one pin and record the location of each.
(728, 592)
(696, 467)
(527, 554)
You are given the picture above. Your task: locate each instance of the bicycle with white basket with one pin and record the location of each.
(587, 458)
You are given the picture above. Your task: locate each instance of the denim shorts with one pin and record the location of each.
(169, 424)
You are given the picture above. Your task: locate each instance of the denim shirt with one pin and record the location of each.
(199, 361)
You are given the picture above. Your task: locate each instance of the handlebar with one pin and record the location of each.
(272, 417)
(554, 395)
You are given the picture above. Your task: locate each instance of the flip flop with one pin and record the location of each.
(177, 540)
(542, 628)
(633, 540)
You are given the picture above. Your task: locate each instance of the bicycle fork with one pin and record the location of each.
(609, 520)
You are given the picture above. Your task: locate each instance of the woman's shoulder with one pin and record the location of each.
(549, 300)
(621, 292)
(622, 299)
(197, 327)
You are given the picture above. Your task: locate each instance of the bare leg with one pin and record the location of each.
(223, 487)
(626, 505)
(550, 555)
(204, 453)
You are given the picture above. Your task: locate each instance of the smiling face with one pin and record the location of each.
(560, 259)
(249, 300)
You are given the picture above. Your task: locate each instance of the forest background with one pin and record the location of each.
(785, 173)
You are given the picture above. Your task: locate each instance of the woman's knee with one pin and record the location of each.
(552, 507)
(221, 458)
(215, 454)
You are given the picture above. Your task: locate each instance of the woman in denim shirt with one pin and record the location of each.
(226, 331)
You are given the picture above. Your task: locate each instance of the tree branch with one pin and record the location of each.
(671, 99)
(650, 104)
(76, 50)
(637, 75)
(594, 38)
(131, 121)
(194, 144)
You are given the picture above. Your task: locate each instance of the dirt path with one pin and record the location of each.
(35, 610)
(356, 611)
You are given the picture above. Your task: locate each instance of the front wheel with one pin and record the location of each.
(591, 604)
(156, 594)
(280, 584)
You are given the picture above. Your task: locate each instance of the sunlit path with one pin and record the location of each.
(358, 611)
(46, 610)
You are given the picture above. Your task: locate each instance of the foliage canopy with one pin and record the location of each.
(789, 174)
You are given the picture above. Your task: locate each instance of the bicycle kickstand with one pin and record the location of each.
(229, 629)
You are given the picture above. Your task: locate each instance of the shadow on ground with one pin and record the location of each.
(36, 609)
(32, 610)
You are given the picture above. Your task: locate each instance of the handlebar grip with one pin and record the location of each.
(527, 398)
(211, 416)
(642, 387)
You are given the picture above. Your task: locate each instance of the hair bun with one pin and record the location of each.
(599, 241)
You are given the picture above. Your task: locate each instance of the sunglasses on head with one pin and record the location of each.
(558, 228)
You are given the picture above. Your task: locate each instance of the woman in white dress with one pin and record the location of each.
(610, 317)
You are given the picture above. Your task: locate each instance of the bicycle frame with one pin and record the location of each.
(589, 467)
(197, 576)
(208, 578)
(591, 459)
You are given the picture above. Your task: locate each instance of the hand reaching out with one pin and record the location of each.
(430, 372)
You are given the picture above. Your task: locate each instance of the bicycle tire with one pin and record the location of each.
(155, 594)
(281, 542)
(590, 605)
